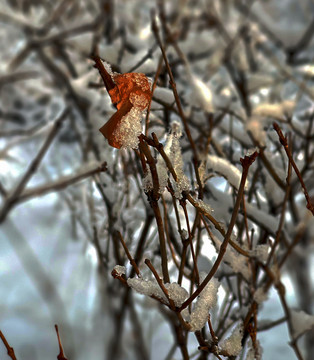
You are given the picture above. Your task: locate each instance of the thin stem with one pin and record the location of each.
(246, 163)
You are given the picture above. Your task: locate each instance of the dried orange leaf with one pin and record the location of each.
(131, 94)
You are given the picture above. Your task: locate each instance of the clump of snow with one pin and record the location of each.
(129, 129)
(260, 252)
(260, 295)
(261, 217)
(260, 115)
(173, 151)
(226, 169)
(162, 172)
(277, 111)
(151, 288)
(206, 301)
(232, 345)
(146, 287)
(177, 293)
(120, 270)
(256, 127)
(148, 181)
(301, 322)
(202, 94)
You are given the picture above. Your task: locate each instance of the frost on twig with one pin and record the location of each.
(151, 288)
(173, 151)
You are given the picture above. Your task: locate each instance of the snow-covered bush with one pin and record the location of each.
(197, 199)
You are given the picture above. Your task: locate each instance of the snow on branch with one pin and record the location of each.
(232, 345)
(151, 288)
(301, 322)
(206, 301)
(172, 149)
(226, 169)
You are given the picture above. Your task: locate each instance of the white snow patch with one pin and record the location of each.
(129, 129)
(205, 207)
(206, 301)
(301, 322)
(236, 261)
(232, 345)
(226, 169)
(151, 288)
(252, 354)
(256, 127)
(173, 151)
(260, 296)
(120, 270)
(260, 252)
(277, 111)
(202, 94)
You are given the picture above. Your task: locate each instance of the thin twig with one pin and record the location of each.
(284, 143)
(10, 349)
(246, 163)
(60, 184)
(132, 262)
(14, 196)
(61, 355)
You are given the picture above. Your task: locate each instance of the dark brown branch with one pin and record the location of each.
(246, 163)
(284, 143)
(132, 262)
